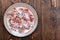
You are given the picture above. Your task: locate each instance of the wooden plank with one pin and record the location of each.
(30, 36)
(5, 5)
(58, 20)
(1, 28)
(13, 37)
(37, 34)
(49, 20)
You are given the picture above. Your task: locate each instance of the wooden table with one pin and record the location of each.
(48, 23)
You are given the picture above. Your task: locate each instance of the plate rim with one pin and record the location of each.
(29, 9)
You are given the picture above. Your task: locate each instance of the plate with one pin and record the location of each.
(15, 33)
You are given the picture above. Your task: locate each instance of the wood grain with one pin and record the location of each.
(48, 20)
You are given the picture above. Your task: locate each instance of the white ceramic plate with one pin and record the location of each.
(21, 5)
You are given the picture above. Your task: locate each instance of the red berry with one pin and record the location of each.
(14, 8)
(26, 10)
(31, 19)
(31, 15)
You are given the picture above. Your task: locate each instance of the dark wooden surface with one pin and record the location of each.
(48, 23)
